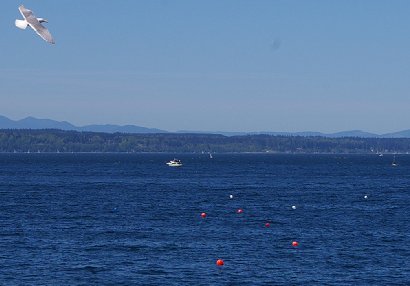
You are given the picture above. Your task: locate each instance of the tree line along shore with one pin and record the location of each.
(50, 140)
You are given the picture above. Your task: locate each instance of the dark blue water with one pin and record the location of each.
(122, 219)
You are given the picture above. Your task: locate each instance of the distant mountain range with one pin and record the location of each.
(35, 123)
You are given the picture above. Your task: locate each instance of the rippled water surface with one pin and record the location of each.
(129, 219)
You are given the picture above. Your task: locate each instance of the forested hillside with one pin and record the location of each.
(73, 141)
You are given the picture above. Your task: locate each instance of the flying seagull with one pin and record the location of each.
(34, 23)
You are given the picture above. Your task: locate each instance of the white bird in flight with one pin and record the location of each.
(34, 23)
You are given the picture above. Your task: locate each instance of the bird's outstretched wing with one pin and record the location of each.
(41, 31)
(36, 25)
(26, 13)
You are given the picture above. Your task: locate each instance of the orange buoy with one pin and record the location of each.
(267, 224)
(295, 243)
(203, 215)
(220, 262)
(239, 211)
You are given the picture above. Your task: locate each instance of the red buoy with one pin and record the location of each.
(203, 215)
(295, 243)
(267, 224)
(220, 262)
(239, 211)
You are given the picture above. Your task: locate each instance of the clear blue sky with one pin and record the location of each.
(226, 65)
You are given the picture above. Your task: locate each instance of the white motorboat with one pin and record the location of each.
(174, 163)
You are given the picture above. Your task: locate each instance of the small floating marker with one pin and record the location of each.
(220, 262)
(239, 211)
(267, 224)
(293, 207)
(365, 196)
(231, 196)
(203, 215)
(295, 243)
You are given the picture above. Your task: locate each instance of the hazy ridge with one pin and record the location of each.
(35, 123)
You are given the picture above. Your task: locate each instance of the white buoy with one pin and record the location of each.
(231, 196)
(293, 207)
(365, 196)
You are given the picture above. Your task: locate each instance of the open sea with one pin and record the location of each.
(129, 219)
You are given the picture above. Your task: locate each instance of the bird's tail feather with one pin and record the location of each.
(21, 24)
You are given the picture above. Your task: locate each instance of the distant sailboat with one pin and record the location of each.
(394, 163)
